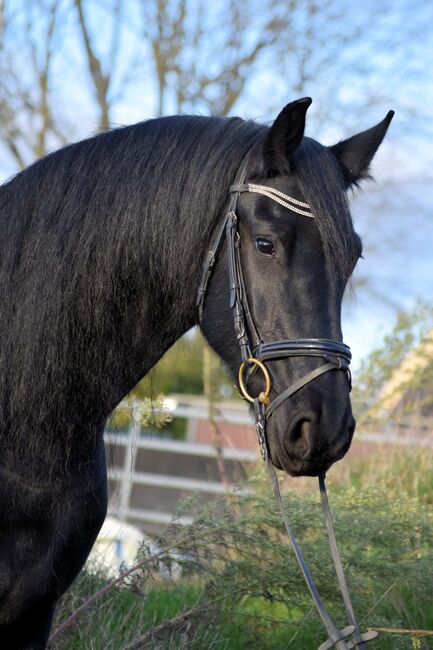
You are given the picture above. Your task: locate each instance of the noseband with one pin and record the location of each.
(254, 353)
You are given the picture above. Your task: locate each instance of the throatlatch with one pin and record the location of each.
(254, 352)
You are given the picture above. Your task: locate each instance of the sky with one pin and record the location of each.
(394, 217)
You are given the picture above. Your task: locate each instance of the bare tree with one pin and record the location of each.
(26, 116)
(205, 56)
(101, 75)
(31, 85)
(204, 53)
(2, 20)
(196, 56)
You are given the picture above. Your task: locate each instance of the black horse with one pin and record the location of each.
(101, 249)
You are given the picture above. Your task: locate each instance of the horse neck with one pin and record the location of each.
(109, 286)
(98, 361)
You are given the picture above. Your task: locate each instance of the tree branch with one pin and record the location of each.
(100, 80)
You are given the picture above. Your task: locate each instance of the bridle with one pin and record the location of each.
(254, 353)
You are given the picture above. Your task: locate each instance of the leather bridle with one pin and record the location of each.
(254, 353)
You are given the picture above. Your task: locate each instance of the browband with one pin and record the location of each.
(277, 196)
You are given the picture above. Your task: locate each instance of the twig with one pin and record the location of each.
(110, 585)
(172, 623)
(379, 600)
(396, 630)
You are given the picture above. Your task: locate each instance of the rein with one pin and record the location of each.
(254, 352)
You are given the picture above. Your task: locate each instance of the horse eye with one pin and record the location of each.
(265, 246)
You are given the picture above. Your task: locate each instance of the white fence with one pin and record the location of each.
(148, 476)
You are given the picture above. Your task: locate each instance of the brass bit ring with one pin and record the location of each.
(263, 397)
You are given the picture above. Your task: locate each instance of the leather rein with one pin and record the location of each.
(254, 353)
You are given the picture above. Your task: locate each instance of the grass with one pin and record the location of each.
(240, 582)
(122, 614)
(254, 623)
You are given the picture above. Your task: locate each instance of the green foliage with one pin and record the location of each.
(189, 367)
(177, 428)
(242, 587)
(181, 371)
(147, 413)
(121, 614)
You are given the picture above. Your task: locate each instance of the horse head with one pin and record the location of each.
(285, 254)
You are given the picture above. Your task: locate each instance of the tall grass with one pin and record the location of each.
(399, 470)
(241, 588)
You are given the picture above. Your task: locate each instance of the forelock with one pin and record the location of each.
(322, 184)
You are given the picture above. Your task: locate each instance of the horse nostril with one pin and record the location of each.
(308, 439)
(297, 429)
(300, 437)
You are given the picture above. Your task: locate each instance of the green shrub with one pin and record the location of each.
(243, 588)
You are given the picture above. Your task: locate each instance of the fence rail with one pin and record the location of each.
(148, 477)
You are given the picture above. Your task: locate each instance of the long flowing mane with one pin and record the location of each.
(87, 239)
(86, 234)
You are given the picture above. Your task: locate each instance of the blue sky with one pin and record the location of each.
(394, 216)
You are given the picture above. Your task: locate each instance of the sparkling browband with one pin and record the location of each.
(281, 198)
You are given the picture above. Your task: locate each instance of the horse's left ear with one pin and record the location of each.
(271, 156)
(356, 153)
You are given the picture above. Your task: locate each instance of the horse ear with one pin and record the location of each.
(281, 141)
(356, 153)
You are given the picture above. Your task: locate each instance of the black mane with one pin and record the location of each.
(85, 233)
(90, 230)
